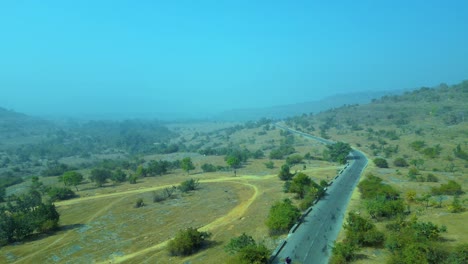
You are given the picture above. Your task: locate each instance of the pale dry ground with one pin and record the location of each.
(104, 227)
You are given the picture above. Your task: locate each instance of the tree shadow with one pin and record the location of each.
(39, 236)
(70, 227)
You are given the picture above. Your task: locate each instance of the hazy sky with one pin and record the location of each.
(195, 56)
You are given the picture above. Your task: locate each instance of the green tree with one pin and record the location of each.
(233, 162)
(187, 242)
(141, 172)
(118, 176)
(285, 174)
(337, 152)
(282, 216)
(72, 178)
(187, 165)
(60, 193)
(300, 183)
(100, 176)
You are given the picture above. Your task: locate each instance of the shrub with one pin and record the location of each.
(343, 252)
(432, 152)
(188, 185)
(238, 243)
(269, 165)
(294, 159)
(459, 255)
(208, 167)
(285, 174)
(431, 178)
(254, 254)
(450, 188)
(187, 241)
(282, 216)
(139, 203)
(60, 193)
(381, 162)
(361, 231)
(456, 206)
(417, 145)
(400, 162)
(382, 207)
(133, 179)
(459, 153)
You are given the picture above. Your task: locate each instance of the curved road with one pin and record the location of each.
(313, 239)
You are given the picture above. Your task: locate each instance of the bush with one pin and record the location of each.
(431, 178)
(450, 188)
(400, 162)
(139, 203)
(285, 174)
(188, 185)
(269, 165)
(294, 159)
(238, 243)
(282, 216)
(60, 193)
(133, 179)
(382, 207)
(187, 241)
(361, 231)
(417, 145)
(381, 163)
(459, 255)
(208, 167)
(343, 252)
(254, 254)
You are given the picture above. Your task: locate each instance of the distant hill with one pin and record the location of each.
(284, 111)
(14, 125)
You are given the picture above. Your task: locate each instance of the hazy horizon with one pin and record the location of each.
(192, 58)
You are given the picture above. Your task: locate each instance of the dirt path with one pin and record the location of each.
(236, 213)
(154, 188)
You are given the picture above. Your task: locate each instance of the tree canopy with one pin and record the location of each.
(337, 152)
(282, 216)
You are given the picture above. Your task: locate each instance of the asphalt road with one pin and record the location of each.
(312, 241)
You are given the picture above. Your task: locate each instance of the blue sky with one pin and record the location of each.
(72, 57)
